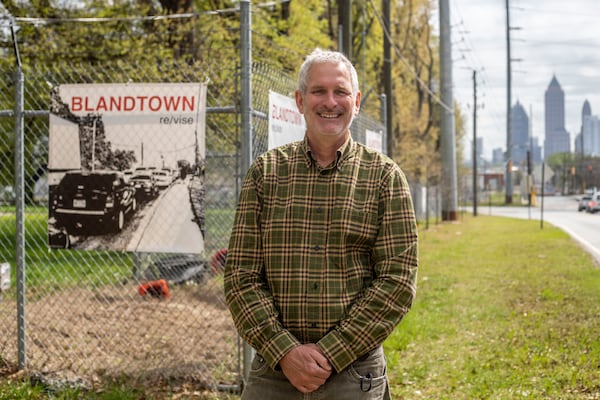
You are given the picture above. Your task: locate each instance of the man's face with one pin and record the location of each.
(328, 105)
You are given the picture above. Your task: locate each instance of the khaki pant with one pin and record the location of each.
(363, 380)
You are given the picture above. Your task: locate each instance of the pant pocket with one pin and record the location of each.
(367, 378)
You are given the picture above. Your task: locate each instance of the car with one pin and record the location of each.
(128, 173)
(583, 202)
(145, 186)
(593, 205)
(163, 178)
(86, 200)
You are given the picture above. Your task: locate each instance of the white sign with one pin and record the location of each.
(4, 276)
(161, 122)
(286, 123)
(374, 140)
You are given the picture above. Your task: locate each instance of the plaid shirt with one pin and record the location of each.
(321, 255)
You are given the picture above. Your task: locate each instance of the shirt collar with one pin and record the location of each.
(343, 152)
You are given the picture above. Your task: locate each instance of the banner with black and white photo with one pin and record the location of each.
(123, 162)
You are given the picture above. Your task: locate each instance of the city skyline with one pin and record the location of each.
(547, 40)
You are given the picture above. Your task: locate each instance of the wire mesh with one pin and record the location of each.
(87, 312)
(91, 312)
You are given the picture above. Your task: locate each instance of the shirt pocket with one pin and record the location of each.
(354, 228)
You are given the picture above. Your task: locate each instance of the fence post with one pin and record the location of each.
(246, 116)
(383, 112)
(20, 215)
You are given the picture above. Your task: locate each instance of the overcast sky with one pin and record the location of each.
(549, 38)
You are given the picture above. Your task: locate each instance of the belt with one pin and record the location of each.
(368, 354)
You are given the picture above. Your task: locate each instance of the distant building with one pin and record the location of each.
(591, 135)
(557, 138)
(478, 156)
(498, 156)
(519, 133)
(588, 140)
(536, 151)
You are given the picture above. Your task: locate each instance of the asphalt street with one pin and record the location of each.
(560, 211)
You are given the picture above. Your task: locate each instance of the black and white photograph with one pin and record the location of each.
(126, 167)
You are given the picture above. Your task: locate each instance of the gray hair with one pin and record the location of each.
(319, 56)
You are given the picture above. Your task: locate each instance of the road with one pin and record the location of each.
(169, 225)
(560, 211)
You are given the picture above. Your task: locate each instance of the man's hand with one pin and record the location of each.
(306, 367)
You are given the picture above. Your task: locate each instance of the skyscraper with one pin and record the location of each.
(557, 138)
(519, 134)
(580, 141)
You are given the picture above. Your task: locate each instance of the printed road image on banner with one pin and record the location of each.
(126, 167)
(286, 124)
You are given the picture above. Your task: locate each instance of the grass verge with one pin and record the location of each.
(504, 310)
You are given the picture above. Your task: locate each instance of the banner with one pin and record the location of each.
(374, 140)
(123, 162)
(286, 124)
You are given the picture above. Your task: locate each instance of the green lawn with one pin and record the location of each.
(504, 310)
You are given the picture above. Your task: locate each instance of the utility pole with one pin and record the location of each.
(345, 27)
(447, 139)
(508, 158)
(475, 158)
(387, 77)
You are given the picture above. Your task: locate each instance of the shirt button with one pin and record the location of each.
(315, 285)
(319, 210)
(316, 248)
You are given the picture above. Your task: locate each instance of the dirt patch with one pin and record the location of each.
(113, 332)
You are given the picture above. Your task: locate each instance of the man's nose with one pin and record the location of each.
(330, 99)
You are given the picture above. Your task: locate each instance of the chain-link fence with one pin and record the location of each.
(87, 312)
(74, 306)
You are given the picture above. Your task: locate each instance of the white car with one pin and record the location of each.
(593, 205)
(163, 178)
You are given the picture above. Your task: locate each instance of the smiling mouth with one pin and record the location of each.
(329, 115)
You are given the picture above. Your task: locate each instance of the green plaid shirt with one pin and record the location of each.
(321, 255)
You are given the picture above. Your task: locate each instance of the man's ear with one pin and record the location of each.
(299, 101)
(357, 104)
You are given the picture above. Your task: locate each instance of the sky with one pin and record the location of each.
(548, 38)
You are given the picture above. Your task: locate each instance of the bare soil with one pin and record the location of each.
(87, 336)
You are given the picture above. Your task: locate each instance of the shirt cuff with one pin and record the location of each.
(336, 350)
(278, 347)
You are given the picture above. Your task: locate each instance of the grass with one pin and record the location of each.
(504, 310)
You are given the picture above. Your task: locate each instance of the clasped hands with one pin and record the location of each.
(306, 367)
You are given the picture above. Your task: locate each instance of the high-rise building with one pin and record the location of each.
(591, 135)
(580, 142)
(557, 138)
(498, 156)
(519, 134)
(479, 149)
(536, 151)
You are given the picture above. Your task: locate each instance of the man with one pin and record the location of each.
(322, 259)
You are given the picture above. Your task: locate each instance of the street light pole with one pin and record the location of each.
(509, 188)
(475, 158)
